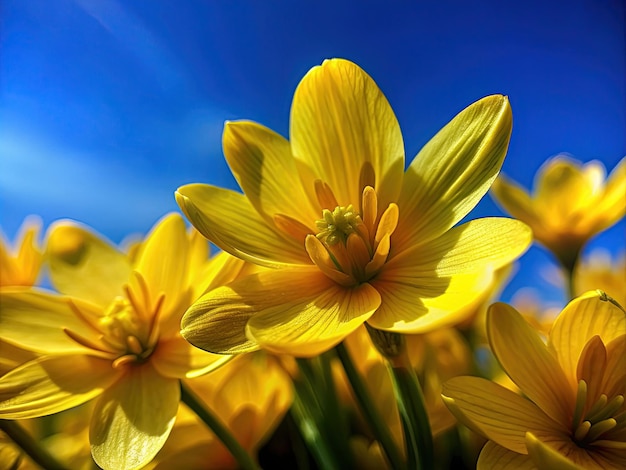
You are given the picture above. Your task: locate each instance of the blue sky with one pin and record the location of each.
(107, 106)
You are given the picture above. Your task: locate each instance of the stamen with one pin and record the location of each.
(80, 314)
(88, 343)
(582, 430)
(369, 201)
(388, 222)
(133, 345)
(600, 428)
(321, 257)
(581, 400)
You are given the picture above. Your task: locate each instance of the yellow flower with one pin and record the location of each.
(571, 203)
(600, 271)
(20, 265)
(113, 334)
(572, 413)
(355, 237)
(435, 356)
(249, 395)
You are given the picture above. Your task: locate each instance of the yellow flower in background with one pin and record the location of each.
(572, 413)
(435, 357)
(571, 202)
(599, 270)
(113, 334)
(20, 264)
(354, 236)
(250, 395)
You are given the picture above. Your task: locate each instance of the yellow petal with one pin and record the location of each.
(305, 313)
(454, 170)
(482, 244)
(132, 420)
(216, 322)
(218, 271)
(584, 317)
(51, 384)
(261, 161)
(162, 261)
(614, 382)
(546, 457)
(35, 320)
(495, 457)
(20, 266)
(425, 301)
(495, 412)
(611, 207)
(528, 362)
(176, 358)
(230, 221)
(516, 201)
(561, 189)
(344, 132)
(84, 264)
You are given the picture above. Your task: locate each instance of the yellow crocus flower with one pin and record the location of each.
(113, 334)
(572, 412)
(353, 236)
(250, 395)
(571, 202)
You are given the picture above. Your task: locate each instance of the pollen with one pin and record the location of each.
(335, 227)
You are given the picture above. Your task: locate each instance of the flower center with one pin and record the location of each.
(127, 332)
(351, 247)
(594, 420)
(335, 226)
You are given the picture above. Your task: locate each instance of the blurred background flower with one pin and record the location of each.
(105, 102)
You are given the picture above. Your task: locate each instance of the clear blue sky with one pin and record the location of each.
(107, 105)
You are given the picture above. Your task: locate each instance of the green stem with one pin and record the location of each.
(30, 446)
(319, 415)
(189, 398)
(413, 413)
(368, 407)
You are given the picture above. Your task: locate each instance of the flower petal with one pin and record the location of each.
(314, 315)
(584, 317)
(344, 132)
(262, 162)
(482, 244)
(51, 384)
(546, 457)
(426, 301)
(516, 202)
(36, 320)
(529, 363)
(611, 207)
(218, 271)
(162, 261)
(176, 358)
(497, 457)
(496, 412)
(132, 420)
(230, 221)
(454, 170)
(84, 264)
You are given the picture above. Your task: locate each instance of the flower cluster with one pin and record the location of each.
(349, 320)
